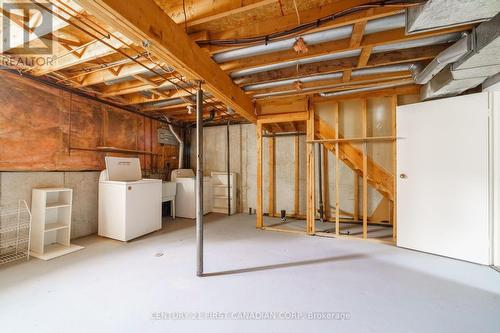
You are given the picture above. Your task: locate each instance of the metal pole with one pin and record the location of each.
(228, 172)
(199, 181)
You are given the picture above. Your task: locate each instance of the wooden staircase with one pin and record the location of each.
(378, 177)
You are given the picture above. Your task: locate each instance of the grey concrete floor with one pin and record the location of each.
(127, 287)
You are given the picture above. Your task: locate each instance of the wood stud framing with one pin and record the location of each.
(365, 170)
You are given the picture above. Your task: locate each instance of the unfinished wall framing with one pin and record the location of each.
(362, 131)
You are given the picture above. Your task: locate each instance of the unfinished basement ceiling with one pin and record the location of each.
(358, 42)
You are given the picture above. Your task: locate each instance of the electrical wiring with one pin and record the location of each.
(108, 36)
(302, 28)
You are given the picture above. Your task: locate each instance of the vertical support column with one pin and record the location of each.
(260, 218)
(228, 171)
(310, 206)
(320, 182)
(272, 176)
(326, 187)
(337, 169)
(199, 181)
(394, 103)
(365, 172)
(296, 177)
(356, 196)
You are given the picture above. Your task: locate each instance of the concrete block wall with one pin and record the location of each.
(16, 186)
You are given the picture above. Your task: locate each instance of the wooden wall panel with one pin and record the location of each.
(38, 125)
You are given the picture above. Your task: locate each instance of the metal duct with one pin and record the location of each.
(471, 69)
(181, 144)
(352, 91)
(451, 54)
(331, 76)
(377, 25)
(438, 14)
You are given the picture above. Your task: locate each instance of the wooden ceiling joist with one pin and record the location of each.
(158, 96)
(119, 72)
(352, 43)
(289, 21)
(223, 14)
(143, 21)
(328, 85)
(331, 66)
(94, 50)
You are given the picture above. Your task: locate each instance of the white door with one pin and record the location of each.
(442, 177)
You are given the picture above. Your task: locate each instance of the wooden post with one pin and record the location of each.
(325, 187)
(365, 172)
(394, 102)
(296, 177)
(260, 219)
(272, 178)
(310, 206)
(356, 196)
(337, 178)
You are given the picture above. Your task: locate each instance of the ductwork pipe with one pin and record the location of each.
(181, 145)
(352, 91)
(448, 56)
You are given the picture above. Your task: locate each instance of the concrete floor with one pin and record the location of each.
(123, 287)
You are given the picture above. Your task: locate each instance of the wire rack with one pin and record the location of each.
(15, 229)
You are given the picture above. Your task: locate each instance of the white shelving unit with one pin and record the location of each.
(219, 192)
(51, 223)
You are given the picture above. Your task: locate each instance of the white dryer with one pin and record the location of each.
(129, 206)
(185, 199)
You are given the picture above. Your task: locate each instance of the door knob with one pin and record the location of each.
(403, 176)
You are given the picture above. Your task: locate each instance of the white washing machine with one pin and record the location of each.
(129, 206)
(185, 199)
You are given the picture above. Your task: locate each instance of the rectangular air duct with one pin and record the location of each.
(438, 14)
(481, 62)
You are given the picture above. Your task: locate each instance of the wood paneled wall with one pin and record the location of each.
(39, 124)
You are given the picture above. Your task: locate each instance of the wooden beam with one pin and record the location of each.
(158, 96)
(337, 171)
(119, 72)
(357, 34)
(410, 89)
(355, 213)
(144, 20)
(370, 41)
(364, 56)
(310, 179)
(94, 50)
(238, 10)
(259, 213)
(289, 21)
(346, 75)
(365, 169)
(283, 117)
(331, 84)
(326, 185)
(272, 177)
(337, 65)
